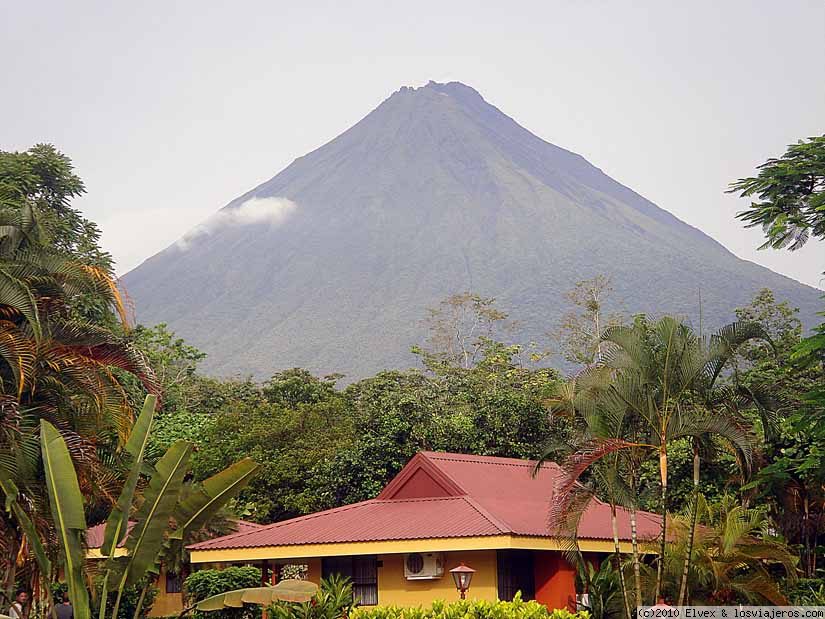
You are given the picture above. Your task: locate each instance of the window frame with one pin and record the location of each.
(362, 570)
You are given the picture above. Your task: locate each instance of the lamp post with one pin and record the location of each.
(462, 575)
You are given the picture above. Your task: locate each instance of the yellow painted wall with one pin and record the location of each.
(166, 603)
(454, 544)
(393, 588)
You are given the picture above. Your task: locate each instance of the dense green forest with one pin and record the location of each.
(723, 431)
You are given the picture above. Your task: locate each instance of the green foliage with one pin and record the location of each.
(791, 419)
(791, 193)
(62, 344)
(655, 387)
(604, 588)
(323, 447)
(66, 503)
(807, 592)
(286, 441)
(736, 557)
(206, 583)
(152, 539)
(579, 332)
(42, 178)
(496, 407)
(332, 601)
(468, 609)
(128, 602)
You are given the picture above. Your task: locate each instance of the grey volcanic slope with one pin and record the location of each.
(434, 192)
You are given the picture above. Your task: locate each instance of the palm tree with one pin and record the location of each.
(579, 396)
(720, 349)
(640, 398)
(735, 555)
(55, 366)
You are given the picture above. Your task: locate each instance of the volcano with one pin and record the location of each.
(331, 264)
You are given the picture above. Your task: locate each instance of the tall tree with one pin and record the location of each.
(640, 399)
(791, 196)
(791, 418)
(579, 332)
(61, 325)
(43, 179)
(459, 326)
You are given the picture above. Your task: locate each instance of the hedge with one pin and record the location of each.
(467, 609)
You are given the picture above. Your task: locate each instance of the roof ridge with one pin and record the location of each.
(496, 460)
(420, 499)
(423, 461)
(497, 523)
(275, 525)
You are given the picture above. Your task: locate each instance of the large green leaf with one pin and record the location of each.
(117, 523)
(195, 510)
(285, 591)
(67, 512)
(152, 519)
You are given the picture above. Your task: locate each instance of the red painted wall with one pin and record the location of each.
(420, 485)
(555, 580)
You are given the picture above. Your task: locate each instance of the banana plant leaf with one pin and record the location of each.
(116, 524)
(67, 513)
(206, 498)
(152, 519)
(286, 591)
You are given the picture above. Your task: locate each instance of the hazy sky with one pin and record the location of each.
(171, 109)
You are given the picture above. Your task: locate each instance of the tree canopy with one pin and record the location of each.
(790, 194)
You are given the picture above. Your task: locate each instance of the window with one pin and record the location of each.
(362, 571)
(515, 573)
(173, 582)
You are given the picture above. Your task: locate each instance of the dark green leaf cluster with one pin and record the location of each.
(206, 583)
(791, 193)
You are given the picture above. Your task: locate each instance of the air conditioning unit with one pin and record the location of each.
(423, 565)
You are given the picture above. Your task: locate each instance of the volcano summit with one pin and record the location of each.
(331, 264)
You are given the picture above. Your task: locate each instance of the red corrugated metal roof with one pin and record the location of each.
(505, 487)
(94, 535)
(490, 496)
(370, 521)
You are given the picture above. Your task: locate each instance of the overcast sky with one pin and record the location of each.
(171, 109)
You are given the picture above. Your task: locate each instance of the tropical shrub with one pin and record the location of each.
(129, 602)
(735, 555)
(168, 498)
(469, 609)
(206, 583)
(604, 588)
(807, 592)
(333, 600)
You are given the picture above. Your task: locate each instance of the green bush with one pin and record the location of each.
(467, 609)
(129, 602)
(206, 583)
(332, 601)
(807, 592)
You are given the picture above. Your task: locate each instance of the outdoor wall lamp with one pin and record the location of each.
(462, 575)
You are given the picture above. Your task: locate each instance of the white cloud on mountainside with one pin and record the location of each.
(255, 211)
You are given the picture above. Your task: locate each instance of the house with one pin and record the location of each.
(169, 600)
(440, 511)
